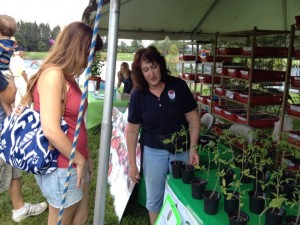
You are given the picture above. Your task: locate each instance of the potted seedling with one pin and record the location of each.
(212, 197)
(96, 70)
(174, 141)
(236, 197)
(294, 202)
(275, 211)
(187, 170)
(198, 183)
(260, 160)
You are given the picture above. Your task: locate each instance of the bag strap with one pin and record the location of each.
(28, 97)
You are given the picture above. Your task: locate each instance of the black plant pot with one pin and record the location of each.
(187, 173)
(231, 205)
(242, 219)
(176, 168)
(291, 220)
(228, 177)
(198, 187)
(211, 204)
(256, 202)
(275, 218)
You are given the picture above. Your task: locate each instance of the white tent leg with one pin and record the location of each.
(106, 125)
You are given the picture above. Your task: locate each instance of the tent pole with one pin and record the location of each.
(106, 125)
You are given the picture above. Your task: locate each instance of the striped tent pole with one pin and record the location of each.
(79, 119)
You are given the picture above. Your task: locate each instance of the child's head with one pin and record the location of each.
(8, 26)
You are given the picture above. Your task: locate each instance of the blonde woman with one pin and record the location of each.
(67, 60)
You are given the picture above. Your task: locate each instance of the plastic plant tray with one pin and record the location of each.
(221, 71)
(259, 120)
(231, 114)
(229, 51)
(232, 72)
(260, 98)
(295, 81)
(293, 109)
(265, 51)
(262, 75)
(207, 79)
(294, 137)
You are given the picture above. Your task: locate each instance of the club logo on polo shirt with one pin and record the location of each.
(171, 94)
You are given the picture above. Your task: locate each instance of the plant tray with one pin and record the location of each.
(232, 93)
(262, 75)
(221, 71)
(202, 98)
(295, 81)
(294, 137)
(258, 120)
(220, 91)
(218, 110)
(189, 76)
(231, 114)
(218, 128)
(207, 79)
(293, 109)
(266, 51)
(216, 102)
(260, 98)
(232, 72)
(189, 58)
(296, 52)
(229, 51)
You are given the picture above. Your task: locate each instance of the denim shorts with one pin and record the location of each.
(52, 187)
(156, 166)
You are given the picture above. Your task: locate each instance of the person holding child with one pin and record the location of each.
(10, 178)
(160, 104)
(8, 27)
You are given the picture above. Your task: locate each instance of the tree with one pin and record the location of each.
(123, 47)
(136, 45)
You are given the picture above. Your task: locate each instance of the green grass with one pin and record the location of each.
(134, 214)
(43, 55)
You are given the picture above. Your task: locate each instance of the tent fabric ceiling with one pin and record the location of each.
(195, 19)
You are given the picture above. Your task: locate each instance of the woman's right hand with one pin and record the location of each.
(81, 168)
(133, 173)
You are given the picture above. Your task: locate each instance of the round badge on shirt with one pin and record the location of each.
(171, 94)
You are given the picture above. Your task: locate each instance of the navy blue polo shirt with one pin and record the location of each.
(3, 82)
(161, 116)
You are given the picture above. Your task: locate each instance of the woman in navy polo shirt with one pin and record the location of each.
(160, 104)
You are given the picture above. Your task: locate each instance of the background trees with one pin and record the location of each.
(34, 37)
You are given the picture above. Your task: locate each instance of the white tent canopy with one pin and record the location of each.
(196, 19)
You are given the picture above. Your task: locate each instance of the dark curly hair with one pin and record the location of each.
(149, 54)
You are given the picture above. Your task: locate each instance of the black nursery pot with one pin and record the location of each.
(211, 204)
(198, 187)
(231, 205)
(275, 218)
(234, 219)
(187, 173)
(176, 168)
(291, 220)
(256, 203)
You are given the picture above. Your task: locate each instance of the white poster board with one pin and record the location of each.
(120, 185)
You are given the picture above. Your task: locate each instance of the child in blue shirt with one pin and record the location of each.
(8, 27)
